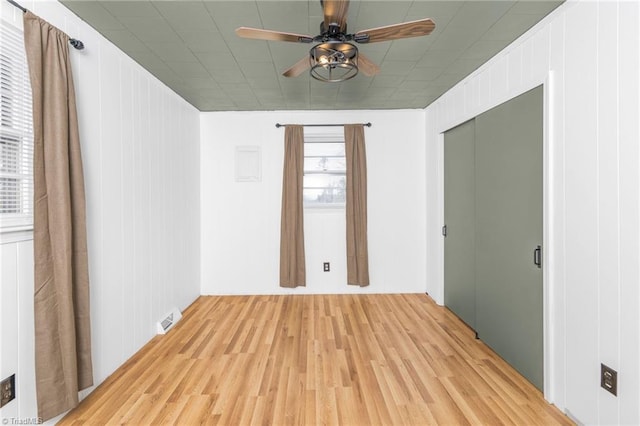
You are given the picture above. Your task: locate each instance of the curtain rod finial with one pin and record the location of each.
(278, 125)
(76, 43)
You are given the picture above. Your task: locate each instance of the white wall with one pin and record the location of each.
(241, 221)
(589, 52)
(140, 146)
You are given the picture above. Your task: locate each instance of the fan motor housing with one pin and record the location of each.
(334, 61)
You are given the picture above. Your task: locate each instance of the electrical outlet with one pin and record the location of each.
(7, 390)
(609, 379)
(327, 267)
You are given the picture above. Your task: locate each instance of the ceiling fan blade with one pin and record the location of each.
(259, 34)
(298, 68)
(418, 28)
(366, 66)
(335, 12)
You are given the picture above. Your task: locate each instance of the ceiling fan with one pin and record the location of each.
(335, 58)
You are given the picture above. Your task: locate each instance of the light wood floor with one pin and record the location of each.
(326, 359)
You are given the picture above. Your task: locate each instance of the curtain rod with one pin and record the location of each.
(18, 6)
(72, 41)
(278, 125)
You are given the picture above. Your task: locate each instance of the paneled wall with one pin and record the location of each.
(241, 220)
(588, 54)
(140, 145)
(17, 354)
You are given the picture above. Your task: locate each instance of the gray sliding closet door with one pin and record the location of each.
(459, 216)
(509, 211)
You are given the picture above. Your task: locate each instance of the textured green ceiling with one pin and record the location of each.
(191, 46)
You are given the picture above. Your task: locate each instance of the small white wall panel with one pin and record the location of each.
(142, 238)
(540, 54)
(484, 98)
(112, 240)
(434, 243)
(248, 164)
(153, 154)
(608, 194)
(582, 209)
(470, 96)
(128, 93)
(528, 65)
(515, 69)
(9, 361)
(556, 250)
(629, 175)
(26, 392)
(500, 79)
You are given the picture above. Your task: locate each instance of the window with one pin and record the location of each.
(325, 182)
(16, 132)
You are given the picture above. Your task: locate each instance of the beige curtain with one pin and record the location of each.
(357, 251)
(63, 337)
(292, 267)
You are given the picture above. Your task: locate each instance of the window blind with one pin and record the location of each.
(324, 182)
(16, 132)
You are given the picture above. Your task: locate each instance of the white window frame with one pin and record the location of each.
(319, 135)
(16, 125)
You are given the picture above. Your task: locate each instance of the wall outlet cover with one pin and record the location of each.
(7, 390)
(609, 379)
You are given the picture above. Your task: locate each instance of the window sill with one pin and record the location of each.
(16, 234)
(319, 208)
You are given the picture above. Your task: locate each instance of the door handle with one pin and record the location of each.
(537, 256)
(444, 231)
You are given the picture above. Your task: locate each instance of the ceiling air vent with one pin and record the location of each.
(168, 321)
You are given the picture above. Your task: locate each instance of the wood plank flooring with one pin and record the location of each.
(316, 359)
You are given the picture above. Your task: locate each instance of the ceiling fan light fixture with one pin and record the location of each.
(333, 62)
